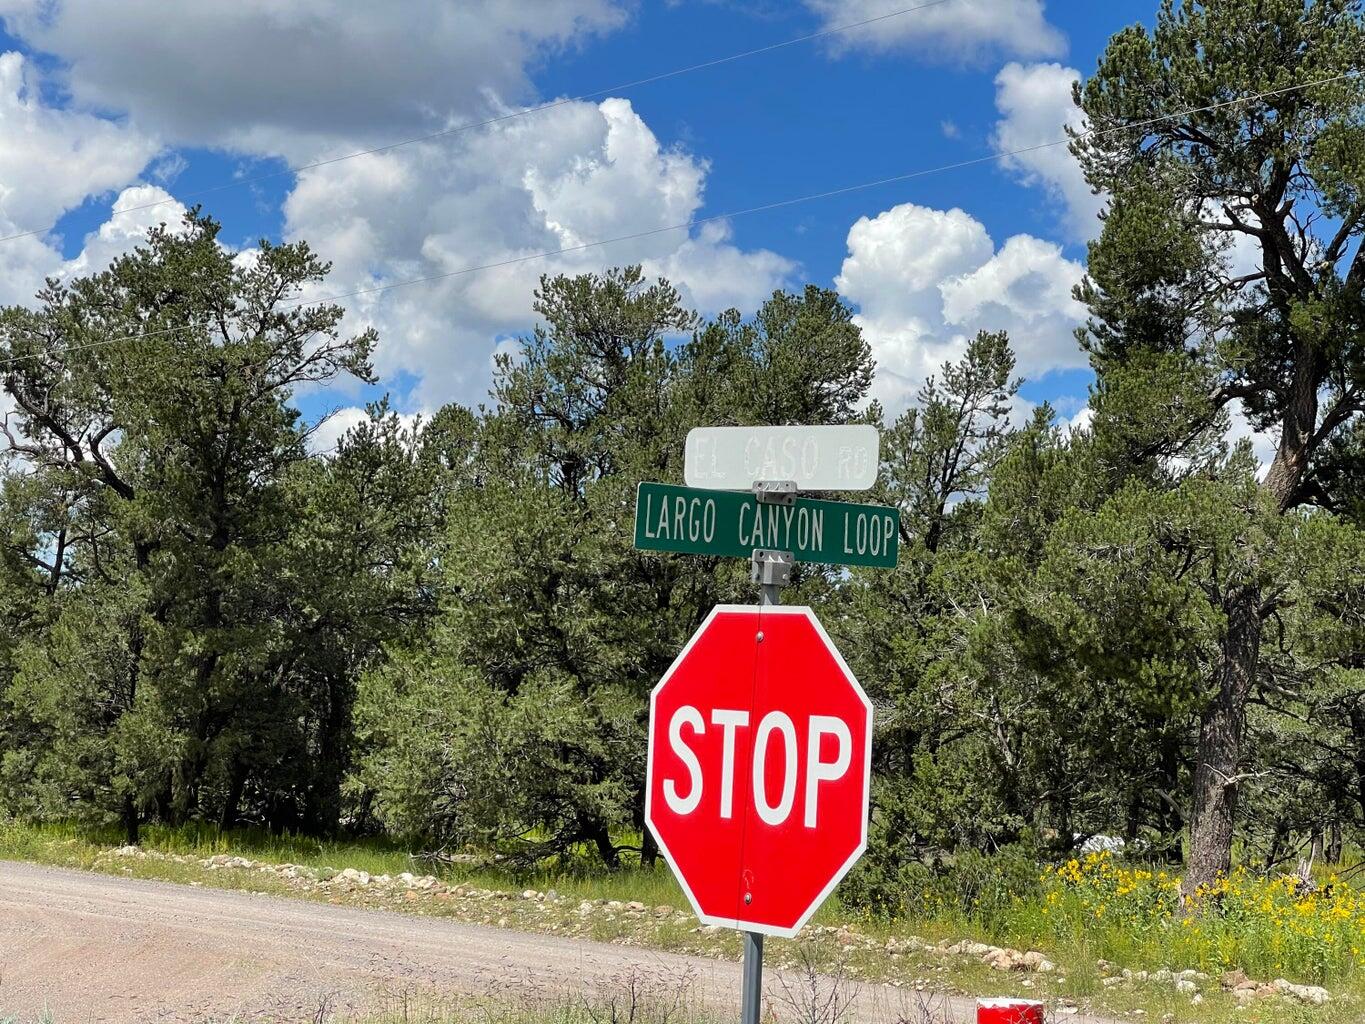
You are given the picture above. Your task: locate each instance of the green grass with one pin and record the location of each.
(1075, 948)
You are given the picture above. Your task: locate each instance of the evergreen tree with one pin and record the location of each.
(1231, 123)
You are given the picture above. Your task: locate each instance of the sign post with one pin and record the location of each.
(772, 571)
(760, 738)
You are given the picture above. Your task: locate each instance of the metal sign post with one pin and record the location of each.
(771, 570)
(744, 502)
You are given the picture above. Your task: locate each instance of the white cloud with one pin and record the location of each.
(963, 30)
(125, 229)
(295, 78)
(1264, 444)
(553, 180)
(1025, 288)
(714, 275)
(50, 161)
(927, 280)
(1081, 421)
(332, 428)
(1036, 108)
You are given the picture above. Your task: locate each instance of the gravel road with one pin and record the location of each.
(90, 947)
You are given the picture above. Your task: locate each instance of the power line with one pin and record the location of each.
(472, 125)
(765, 207)
(831, 193)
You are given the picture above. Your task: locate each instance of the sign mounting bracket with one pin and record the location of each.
(775, 492)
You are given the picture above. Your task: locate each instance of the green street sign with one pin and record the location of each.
(733, 524)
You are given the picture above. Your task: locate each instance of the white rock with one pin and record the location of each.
(1185, 986)
(1314, 995)
(1102, 844)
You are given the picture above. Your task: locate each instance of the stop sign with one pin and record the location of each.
(759, 765)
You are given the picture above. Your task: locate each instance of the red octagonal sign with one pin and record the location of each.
(760, 749)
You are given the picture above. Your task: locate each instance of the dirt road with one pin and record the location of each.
(90, 947)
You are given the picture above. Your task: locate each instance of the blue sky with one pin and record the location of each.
(101, 109)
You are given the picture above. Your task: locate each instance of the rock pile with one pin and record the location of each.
(536, 906)
(1191, 983)
(1001, 958)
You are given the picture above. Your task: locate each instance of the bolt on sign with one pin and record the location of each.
(759, 768)
(734, 524)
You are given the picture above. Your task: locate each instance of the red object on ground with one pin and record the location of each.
(760, 750)
(1008, 1011)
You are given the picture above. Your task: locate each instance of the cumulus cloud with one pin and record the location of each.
(557, 179)
(1264, 444)
(50, 161)
(963, 30)
(1036, 108)
(926, 281)
(331, 428)
(295, 78)
(125, 229)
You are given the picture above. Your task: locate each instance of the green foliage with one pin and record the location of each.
(443, 631)
(1229, 133)
(180, 643)
(983, 890)
(518, 722)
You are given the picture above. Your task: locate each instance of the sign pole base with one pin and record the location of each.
(751, 997)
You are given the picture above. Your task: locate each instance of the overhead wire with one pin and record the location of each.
(765, 207)
(498, 119)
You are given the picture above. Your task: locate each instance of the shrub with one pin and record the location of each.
(982, 889)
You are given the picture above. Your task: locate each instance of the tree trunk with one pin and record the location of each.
(606, 849)
(1356, 716)
(1278, 839)
(236, 782)
(322, 802)
(1218, 755)
(1170, 821)
(1334, 843)
(132, 825)
(649, 850)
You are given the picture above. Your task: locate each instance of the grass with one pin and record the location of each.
(1073, 940)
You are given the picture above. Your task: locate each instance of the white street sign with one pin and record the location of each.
(840, 458)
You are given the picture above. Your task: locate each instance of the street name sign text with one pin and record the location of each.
(832, 458)
(731, 524)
